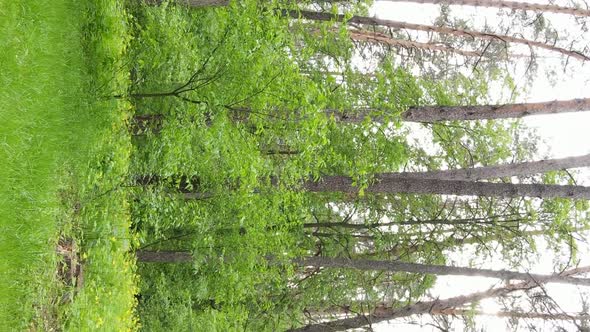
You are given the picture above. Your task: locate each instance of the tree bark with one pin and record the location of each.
(497, 171)
(514, 5)
(456, 221)
(317, 16)
(427, 307)
(393, 185)
(488, 112)
(397, 251)
(409, 248)
(511, 314)
(395, 266)
(367, 36)
(433, 114)
(144, 256)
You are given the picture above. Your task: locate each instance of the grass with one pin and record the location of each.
(64, 151)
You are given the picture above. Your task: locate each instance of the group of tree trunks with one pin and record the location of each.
(447, 182)
(444, 182)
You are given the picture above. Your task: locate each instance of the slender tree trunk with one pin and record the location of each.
(426, 307)
(345, 310)
(537, 7)
(317, 16)
(193, 3)
(459, 221)
(395, 266)
(144, 256)
(409, 248)
(384, 39)
(445, 113)
(367, 36)
(445, 182)
(511, 314)
(433, 114)
(386, 185)
(498, 171)
(393, 185)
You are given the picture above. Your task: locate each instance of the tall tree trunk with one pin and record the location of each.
(488, 112)
(497, 171)
(193, 3)
(537, 7)
(457, 221)
(393, 185)
(368, 36)
(511, 314)
(426, 307)
(345, 310)
(384, 39)
(317, 16)
(145, 256)
(407, 249)
(432, 114)
(395, 266)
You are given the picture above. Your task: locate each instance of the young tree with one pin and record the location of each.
(487, 112)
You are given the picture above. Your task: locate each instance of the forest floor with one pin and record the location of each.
(64, 155)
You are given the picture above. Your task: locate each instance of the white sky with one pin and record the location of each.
(563, 135)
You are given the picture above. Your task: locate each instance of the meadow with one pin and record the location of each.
(65, 149)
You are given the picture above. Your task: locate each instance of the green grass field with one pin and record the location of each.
(64, 152)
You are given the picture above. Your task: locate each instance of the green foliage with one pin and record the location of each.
(192, 129)
(252, 129)
(65, 149)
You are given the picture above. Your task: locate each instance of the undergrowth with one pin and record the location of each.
(64, 152)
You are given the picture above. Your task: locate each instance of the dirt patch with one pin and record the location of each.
(70, 268)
